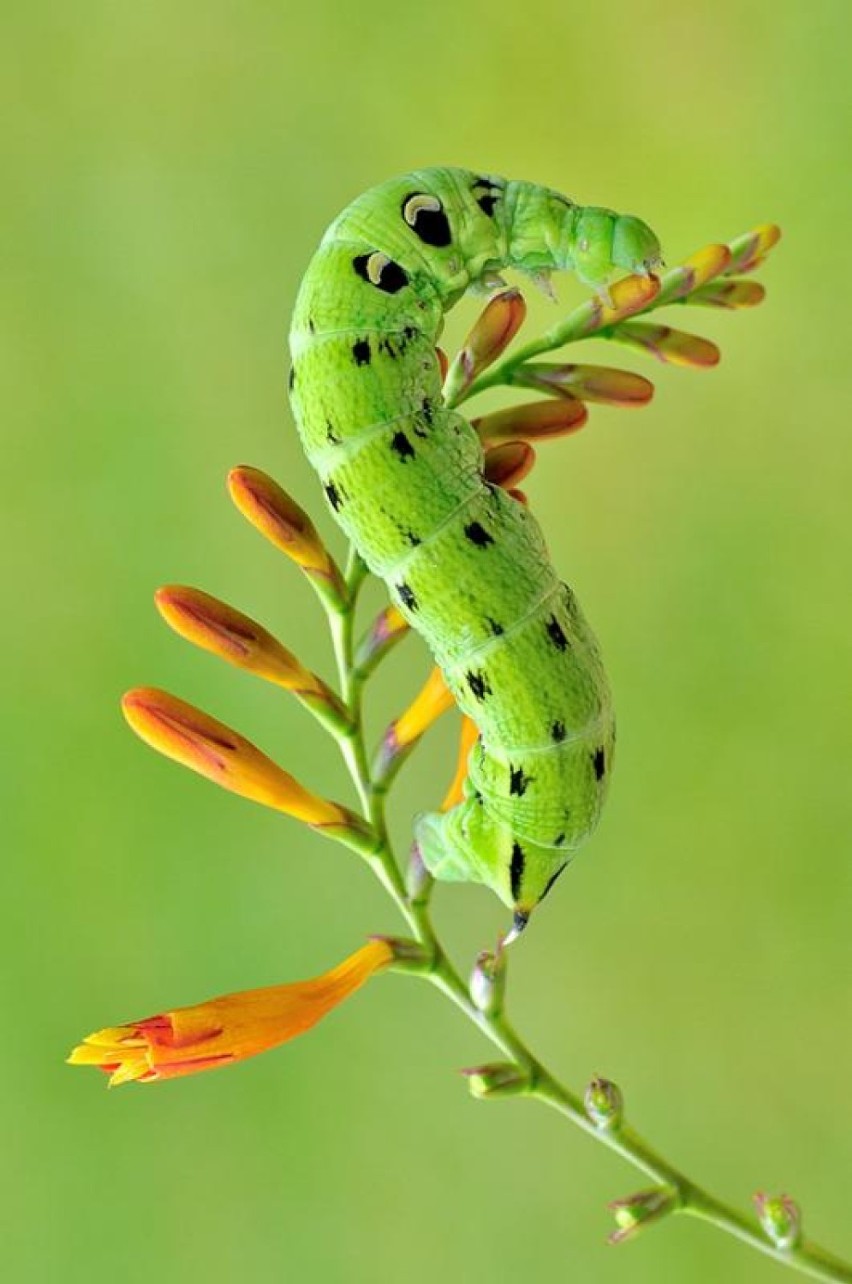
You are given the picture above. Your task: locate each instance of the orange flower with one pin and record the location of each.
(226, 1029)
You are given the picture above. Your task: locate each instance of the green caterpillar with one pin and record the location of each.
(465, 562)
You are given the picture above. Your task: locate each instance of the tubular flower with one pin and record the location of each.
(226, 1029)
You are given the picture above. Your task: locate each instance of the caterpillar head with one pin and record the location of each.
(605, 243)
(634, 246)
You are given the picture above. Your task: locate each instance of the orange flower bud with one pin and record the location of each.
(468, 737)
(729, 294)
(224, 1030)
(508, 463)
(180, 731)
(217, 627)
(402, 734)
(532, 421)
(673, 347)
(494, 330)
(280, 519)
(602, 384)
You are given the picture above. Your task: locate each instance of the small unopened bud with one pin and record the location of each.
(729, 294)
(488, 982)
(780, 1217)
(604, 1103)
(672, 347)
(501, 1079)
(491, 335)
(636, 1211)
(603, 384)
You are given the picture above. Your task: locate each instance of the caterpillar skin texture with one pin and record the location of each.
(465, 563)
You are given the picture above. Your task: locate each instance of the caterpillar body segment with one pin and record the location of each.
(464, 562)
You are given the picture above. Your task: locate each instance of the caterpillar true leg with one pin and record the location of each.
(463, 560)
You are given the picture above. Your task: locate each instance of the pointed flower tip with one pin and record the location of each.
(191, 737)
(211, 624)
(231, 1028)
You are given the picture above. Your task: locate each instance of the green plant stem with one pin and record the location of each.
(806, 1257)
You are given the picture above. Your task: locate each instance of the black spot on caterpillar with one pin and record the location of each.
(334, 496)
(496, 629)
(557, 732)
(516, 869)
(402, 447)
(518, 781)
(361, 352)
(478, 683)
(291, 378)
(599, 763)
(478, 535)
(406, 596)
(555, 633)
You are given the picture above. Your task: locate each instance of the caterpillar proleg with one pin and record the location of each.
(465, 563)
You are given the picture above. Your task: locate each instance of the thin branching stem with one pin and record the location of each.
(805, 1257)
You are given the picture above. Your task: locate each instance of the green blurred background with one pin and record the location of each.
(169, 169)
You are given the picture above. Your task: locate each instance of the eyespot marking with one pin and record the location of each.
(599, 763)
(425, 216)
(381, 271)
